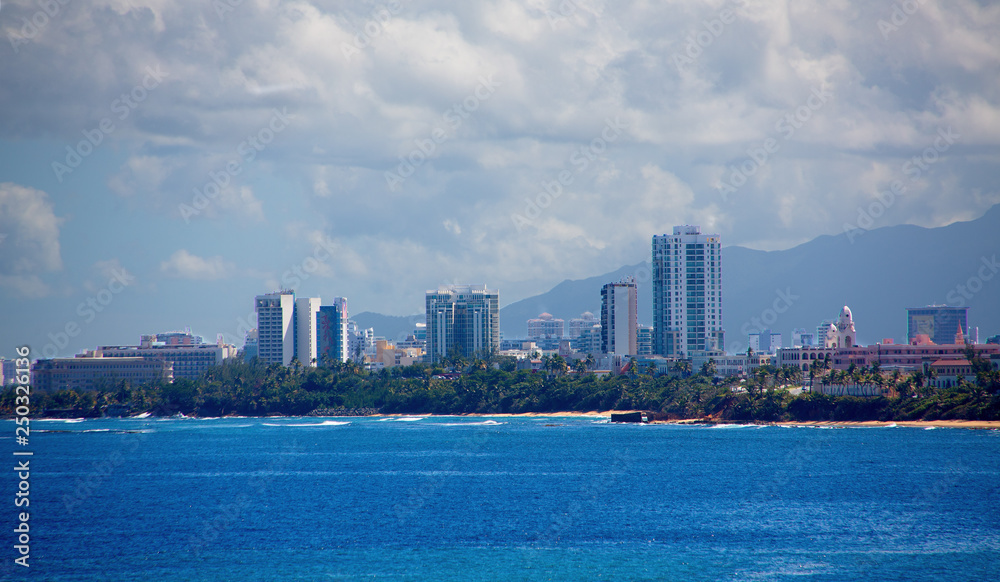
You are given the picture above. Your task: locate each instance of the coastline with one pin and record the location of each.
(598, 415)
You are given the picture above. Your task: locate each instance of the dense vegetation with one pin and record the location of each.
(256, 389)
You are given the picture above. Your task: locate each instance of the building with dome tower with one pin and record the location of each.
(844, 334)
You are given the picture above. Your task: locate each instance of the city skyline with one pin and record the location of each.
(425, 143)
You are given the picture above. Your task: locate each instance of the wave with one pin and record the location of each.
(483, 423)
(409, 418)
(67, 420)
(307, 424)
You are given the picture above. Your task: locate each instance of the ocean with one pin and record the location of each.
(526, 498)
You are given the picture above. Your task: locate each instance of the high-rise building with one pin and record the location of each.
(590, 341)
(306, 309)
(250, 345)
(8, 372)
(331, 332)
(275, 327)
(464, 319)
(545, 327)
(940, 323)
(765, 341)
(802, 338)
(644, 340)
(687, 292)
(619, 317)
(360, 341)
(581, 325)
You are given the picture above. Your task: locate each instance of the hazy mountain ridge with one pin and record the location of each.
(878, 274)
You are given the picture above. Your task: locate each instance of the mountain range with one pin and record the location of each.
(878, 273)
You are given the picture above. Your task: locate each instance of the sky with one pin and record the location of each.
(162, 162)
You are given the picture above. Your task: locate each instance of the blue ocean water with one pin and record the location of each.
(503, 499)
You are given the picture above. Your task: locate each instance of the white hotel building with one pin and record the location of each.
(275, 327)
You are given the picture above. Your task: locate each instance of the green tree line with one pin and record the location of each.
(258, 389)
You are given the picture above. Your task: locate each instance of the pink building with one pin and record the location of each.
(903, 357)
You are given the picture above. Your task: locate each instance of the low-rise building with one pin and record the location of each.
(390, 355)
(740, 365)
(90, 373)
(890, 356)
(189, 359)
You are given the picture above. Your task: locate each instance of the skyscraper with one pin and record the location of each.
(940, 323)
(331, 332)
(619, 318)
(275, 327)
(306, 309)
(687, 292)
(464, 319)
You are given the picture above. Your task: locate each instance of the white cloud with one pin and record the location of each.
(30, 243)
(29, 286)
(184, 265)
(352, 117)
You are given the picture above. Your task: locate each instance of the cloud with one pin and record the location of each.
(563, 70)
(184, 265)
(30, 286)
(30, 242)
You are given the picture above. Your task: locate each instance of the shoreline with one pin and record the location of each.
(598, 414)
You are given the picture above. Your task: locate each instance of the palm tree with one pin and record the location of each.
(590, 361)
(558, 364)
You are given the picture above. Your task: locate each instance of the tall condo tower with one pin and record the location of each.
(464, 319)
(275, 327)
(331, 332)
(306, 309)
(619, 317)
(687, 292)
